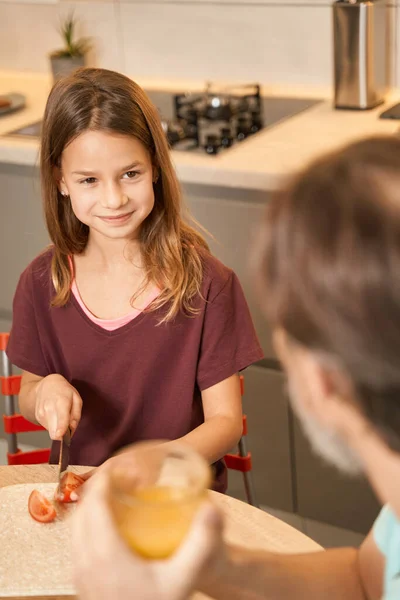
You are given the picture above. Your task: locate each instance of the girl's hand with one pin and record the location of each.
(58, 405)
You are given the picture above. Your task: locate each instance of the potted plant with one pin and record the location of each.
(73, 55)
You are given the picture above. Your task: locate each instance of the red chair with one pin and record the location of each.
(15, 423)
(242, 460)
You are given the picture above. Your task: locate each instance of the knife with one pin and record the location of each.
(64, 454)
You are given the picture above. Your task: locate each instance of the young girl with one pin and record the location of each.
(126, 328)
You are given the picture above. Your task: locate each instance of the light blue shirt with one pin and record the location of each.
(387, 537)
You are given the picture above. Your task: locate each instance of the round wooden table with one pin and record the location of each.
(245, 525)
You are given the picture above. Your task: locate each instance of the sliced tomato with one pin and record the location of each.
(40, 508)
(68, 484)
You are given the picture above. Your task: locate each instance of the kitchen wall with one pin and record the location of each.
(272, 41)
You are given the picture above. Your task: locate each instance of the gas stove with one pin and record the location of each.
(212, 120)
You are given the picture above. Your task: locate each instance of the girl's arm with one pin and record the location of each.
(223, 425)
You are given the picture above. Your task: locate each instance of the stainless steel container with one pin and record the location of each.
(360, 53)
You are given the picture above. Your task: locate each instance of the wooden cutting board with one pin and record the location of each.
(34, 557)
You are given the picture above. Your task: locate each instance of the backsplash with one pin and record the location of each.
(274, 42)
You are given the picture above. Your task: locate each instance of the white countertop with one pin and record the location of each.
(259, 163)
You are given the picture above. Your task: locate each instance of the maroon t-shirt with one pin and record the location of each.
(144, 380)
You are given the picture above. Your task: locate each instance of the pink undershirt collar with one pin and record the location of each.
(110, 324)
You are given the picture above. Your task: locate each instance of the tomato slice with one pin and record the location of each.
(40, 508)
(68, 484)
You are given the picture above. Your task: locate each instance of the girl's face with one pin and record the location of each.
(109, 179)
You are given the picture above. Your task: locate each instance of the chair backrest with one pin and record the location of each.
(15, 423)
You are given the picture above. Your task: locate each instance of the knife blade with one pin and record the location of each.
(64, 454)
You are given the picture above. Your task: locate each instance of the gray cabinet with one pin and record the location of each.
(23, 233)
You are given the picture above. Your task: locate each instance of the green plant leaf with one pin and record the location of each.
(72, 47)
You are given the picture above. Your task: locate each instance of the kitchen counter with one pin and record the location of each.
(259, 163)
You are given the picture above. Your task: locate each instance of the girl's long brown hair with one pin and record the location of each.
(98, 99)
(329, 259)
